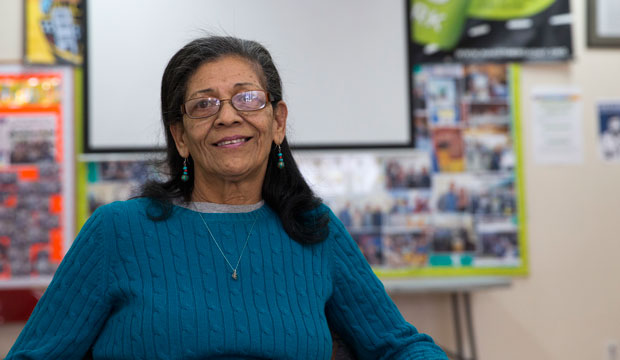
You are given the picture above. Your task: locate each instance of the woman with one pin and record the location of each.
(233, 256)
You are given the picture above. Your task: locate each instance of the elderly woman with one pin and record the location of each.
(232, 256)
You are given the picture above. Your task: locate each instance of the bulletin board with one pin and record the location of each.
(36, 173)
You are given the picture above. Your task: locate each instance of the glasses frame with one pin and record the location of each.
(268, 99)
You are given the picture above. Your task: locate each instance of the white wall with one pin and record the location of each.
(569, 305)
(11, 29)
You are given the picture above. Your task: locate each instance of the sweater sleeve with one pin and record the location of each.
(73, 309)
(361, 311)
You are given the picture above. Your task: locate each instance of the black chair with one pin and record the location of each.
(340, 349)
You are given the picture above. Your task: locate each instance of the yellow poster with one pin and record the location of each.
(54, 32)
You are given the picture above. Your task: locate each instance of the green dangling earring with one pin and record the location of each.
(184, 177)
(280, 160)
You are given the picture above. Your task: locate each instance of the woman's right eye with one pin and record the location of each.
(205, 103)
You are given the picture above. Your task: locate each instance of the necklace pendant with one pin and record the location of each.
(234, 275)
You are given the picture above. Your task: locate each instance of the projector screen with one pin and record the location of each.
(343, 65)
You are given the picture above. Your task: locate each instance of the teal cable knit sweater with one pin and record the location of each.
(132, 288)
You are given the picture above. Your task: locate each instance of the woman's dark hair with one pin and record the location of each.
(284, 190)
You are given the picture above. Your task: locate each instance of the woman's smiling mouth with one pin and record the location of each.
(233, 141)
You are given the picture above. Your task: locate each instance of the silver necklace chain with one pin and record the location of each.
(234, 269)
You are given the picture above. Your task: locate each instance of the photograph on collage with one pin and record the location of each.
(412, 171)
(448, 149)
(406, 205)
(452, 193)
(31, 140)
(406, 250)
(493, 196)
(484, 195)
(442, 101)
(499, 240)
(488, 148)
(453, 233)
(440, 88)
(485, 83)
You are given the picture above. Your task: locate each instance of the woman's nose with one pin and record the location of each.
(227, 115)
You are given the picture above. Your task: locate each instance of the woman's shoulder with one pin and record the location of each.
(131, 207)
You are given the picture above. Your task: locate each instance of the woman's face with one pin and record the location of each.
(231, 145)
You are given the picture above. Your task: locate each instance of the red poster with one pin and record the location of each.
(35, 175)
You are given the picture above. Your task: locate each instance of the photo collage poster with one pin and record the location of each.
(450, 205)
(36, 201)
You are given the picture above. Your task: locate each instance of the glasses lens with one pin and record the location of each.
(202, 107)
(249, 100)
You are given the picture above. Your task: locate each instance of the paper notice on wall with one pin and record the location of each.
(556, 126)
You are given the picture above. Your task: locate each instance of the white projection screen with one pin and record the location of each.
(343, 64)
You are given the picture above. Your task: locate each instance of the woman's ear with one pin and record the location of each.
(178, 133)
(280, 113)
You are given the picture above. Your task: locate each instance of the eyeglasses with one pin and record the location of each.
(203, 107)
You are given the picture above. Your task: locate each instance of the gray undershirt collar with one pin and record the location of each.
(207, 207)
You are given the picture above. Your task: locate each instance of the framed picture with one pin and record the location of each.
(54, 32)
(603, 25)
